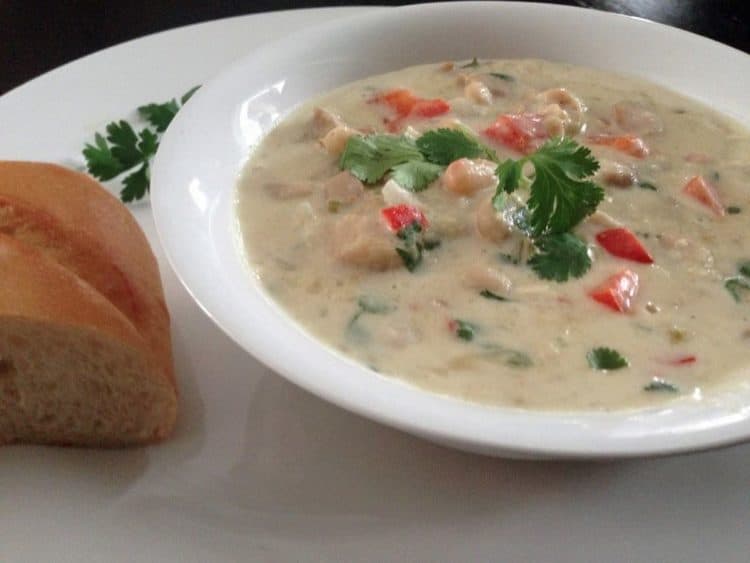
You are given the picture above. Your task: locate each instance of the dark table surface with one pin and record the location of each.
(37, 36)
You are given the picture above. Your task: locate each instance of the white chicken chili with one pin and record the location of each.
(512, 232)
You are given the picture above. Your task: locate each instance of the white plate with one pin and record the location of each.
(204, 150)
(262, 471)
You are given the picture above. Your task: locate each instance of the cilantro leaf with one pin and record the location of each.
(509, 176)
(744, 268)
(574, 159)
(560, 196)
(124, 143)
(136, 184)
(560, 256)
(658, 384)
(416, 175)
(189, 94)
(159, 115)
(148, 142)
(606, 359)
(443, 146)
(558, 205)
(737, 287)
(100, 161)
(370, 158)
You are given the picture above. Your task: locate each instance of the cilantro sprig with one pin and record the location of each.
(413, 164)
(123, 149)
(560, 197)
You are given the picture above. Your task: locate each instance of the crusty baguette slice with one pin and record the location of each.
(71, 218)
(73, 369)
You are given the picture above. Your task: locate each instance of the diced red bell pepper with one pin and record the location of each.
(628, 144)
(617, 291)
(682, 360)
(405, 104)
(623, 243)
(705, 192)
(519, 132)
(399, 216)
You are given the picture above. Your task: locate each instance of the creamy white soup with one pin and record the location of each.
(512, 232)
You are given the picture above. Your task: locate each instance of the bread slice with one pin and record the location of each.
(73, 369)
(73, 221)
(71, 218)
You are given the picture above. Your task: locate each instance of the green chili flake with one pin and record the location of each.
(734, 210)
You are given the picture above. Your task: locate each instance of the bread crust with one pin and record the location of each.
(38, 293)
(71, 220)
(75, 221)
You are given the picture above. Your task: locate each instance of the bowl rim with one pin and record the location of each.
(480, 428)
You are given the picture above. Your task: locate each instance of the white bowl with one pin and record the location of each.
(202, 153)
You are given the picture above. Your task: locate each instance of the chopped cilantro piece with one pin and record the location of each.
(734, 210)
(486, 293)
(606, 359)
(416, 175)
(737, 287)
(465, 330)
(366, 304)
(443, 146)
(503, 76)
(658, 384)
(518, 359)
(334, 206)
(370, 304)
(473, 64)
(369, 158)
(744, 268)
(414, 245)
(647, 186)
(560, 256)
